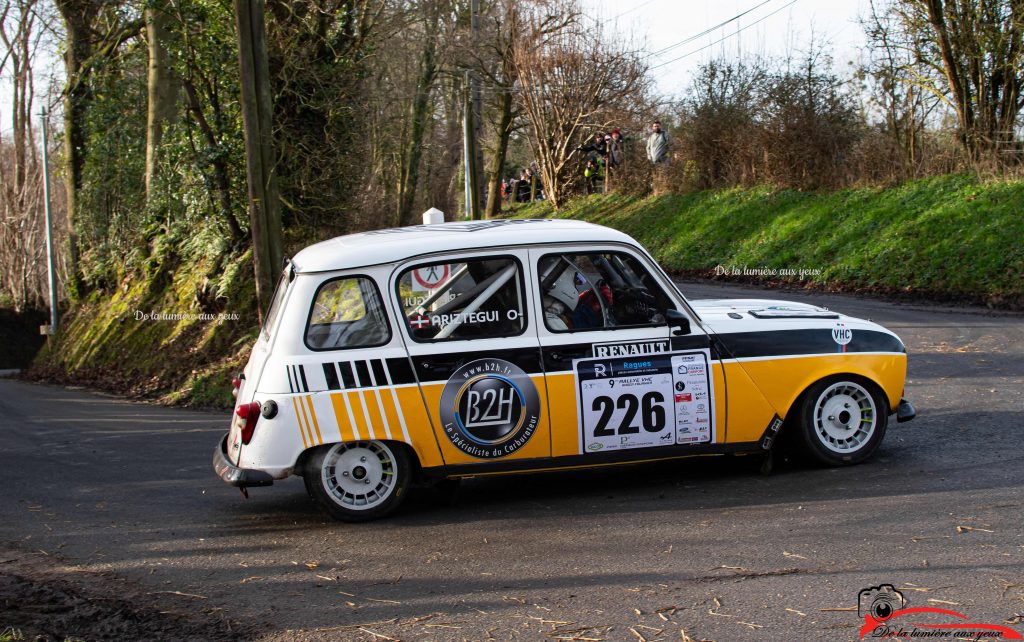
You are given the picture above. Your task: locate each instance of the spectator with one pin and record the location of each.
(657, 144)
(616, 146)
(523, 187)
(598, 147)
(592, 174)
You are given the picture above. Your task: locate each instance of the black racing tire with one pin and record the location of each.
(827, 420)
(358, 481)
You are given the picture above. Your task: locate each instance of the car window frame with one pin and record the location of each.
(380, 299)
(414, 264)
(550, 251)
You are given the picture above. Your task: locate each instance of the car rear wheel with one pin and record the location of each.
(842, 420)
(359, 481)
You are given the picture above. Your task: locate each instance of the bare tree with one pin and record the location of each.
(23, 279)
(969, 54)
(570, 77)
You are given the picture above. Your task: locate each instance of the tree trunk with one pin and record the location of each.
(955, 77)
(264, 198)
(162, 86)
(418, 118)
(497, 170)
(77, 97)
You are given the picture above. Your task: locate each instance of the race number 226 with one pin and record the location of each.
(646, 411)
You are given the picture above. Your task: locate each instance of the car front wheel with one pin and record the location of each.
(842, 420)
(359, 481)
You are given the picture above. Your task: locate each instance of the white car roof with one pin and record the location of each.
(397, 244)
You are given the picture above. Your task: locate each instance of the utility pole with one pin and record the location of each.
(49, 228)
(471, 127)
(468, 153)
(478, 113)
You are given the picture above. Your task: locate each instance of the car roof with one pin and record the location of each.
(400, 243)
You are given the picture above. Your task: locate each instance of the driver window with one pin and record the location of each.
(599, 290)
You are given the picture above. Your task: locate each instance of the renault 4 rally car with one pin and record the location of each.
(463, 349)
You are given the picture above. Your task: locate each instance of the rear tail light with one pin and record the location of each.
(247, 416)
(236, 384)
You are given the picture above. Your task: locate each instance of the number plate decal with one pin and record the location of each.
(644, 402)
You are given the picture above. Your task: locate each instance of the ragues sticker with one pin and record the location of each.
(489, 408)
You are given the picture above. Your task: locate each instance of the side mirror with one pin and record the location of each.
(679, 321)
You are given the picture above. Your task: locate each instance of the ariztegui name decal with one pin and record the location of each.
(489, 408)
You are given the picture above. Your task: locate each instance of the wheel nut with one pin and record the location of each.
(367, 481)
(362, 458)
(344, 473)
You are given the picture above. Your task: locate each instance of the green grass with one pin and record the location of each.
(950, 236)
(108, 342)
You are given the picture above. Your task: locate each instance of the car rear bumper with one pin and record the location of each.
(231, 474)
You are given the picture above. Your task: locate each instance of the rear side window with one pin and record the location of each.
(475, 299)
(347, 313)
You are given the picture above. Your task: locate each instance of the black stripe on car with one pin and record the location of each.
(346, 374)
(331, 375)
(362, 374)
(400, 371)
(774, 343)
(302, 373)
(377, 369)
(440, 366)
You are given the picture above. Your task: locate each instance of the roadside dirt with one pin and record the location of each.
(44, 598)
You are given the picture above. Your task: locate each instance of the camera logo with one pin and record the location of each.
(880, 602)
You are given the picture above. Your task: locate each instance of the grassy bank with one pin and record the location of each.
(950, 237)
(177, 334)
(180, 332)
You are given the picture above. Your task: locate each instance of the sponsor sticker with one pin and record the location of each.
(644, 401)
(489, 408)
(842, 335)
(630, 349)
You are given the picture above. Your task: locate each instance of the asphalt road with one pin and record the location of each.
(708, 547)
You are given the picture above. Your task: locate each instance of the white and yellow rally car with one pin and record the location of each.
(463, 349)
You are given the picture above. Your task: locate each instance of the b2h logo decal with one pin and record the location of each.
(489, 408)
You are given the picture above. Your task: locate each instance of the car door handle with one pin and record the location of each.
(569, 355)
(446, 364)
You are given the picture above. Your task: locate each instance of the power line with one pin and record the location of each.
(619, 15)
(690, 39)
(741, 29)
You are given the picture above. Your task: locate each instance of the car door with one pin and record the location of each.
(623, 383)
(467, 324)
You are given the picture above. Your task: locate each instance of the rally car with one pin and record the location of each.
(463, 349)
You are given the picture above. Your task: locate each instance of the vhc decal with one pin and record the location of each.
(489, 408)
(842, 336)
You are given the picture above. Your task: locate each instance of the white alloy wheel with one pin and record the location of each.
(842, 419)
(845, 417)
(359, 480)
